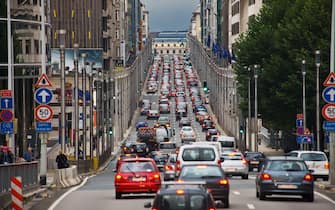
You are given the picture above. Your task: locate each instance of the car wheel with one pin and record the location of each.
(261, 195)
(118, 195)
(245, 176)
(225, 202)
(309, 197)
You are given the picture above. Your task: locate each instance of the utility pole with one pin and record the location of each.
(62, 33)
(256, 109)
(76, 105)
(317, 63)
(303, 72)
(249, 109)
(83, 56)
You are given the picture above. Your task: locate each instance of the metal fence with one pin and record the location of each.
(28, 171)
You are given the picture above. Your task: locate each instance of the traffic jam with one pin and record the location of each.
(179, 154)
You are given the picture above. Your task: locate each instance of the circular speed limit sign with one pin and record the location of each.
(43, 113)
(328, 112)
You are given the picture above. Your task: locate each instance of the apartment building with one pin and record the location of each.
(195, 28)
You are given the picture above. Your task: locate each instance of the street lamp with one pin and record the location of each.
(84, 56)
(90, 73)
(317, 63)
(303, 72)
(256, 108)
(249, 108)
(76, 107)
(62, 33)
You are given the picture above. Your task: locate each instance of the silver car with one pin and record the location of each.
(169, 169)
(234, 164)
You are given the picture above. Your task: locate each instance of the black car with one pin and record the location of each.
(160, 160)
(207, 124)
(182, 196)
(140, 149)
(199, 108)
(285, 175)
(255, 159)
(214, 177)
(212, 132)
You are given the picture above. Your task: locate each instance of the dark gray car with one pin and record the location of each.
(284, 175)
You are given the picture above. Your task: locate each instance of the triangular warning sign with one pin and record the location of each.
(43, 81)
(330, 80)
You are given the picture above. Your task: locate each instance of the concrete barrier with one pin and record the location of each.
(67, 177)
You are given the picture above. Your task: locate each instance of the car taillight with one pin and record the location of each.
(245, 162)
(203, 125)
(219, 162)
(168, 168)
(265, 176)
(154, 209)
(223, 182)
(208, 134)
(118, 177)
(211, 209)
(326, 166)
(157, 176)
(308, 177)
(178, 165)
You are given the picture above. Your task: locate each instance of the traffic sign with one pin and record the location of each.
(6, 115)
(6, 93)
(328, 112)
(330, 80)
(299, 123)
(328, 94)
(300, 116)
(6, 127)
(300, 131)
(6, 103)
(43, 95)
(305, 139)
(328, 126)
(43, 113)
(42, 127)
(43, 81)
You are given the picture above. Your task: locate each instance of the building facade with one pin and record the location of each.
(170, 42)
(195, 28)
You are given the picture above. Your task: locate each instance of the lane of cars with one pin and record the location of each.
(198, 157)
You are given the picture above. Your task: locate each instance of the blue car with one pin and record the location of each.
(141, 124)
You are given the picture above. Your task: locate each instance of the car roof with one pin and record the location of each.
(283, 158)
(138, 159)
(299, 151)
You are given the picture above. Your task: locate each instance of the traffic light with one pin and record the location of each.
(110, 131)
(241, 129)
(204, 86)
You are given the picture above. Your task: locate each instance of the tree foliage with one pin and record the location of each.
(283, 34)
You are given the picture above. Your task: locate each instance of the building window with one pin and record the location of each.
(174, 45)
(19, 49)
(161, 51)
(156, 45)
(180, 51)
(251, 18)
(167, 51)
(36, 46)
(117, 34)
(28, 46)
(168, 45)
(251, 2)
(162, 45)
(34, 2)
(235, 9)
(235, 28)
(55, 13)
(118, 52)
(174, 51)
(72, 13)
(104, 23)
(88, 13)
(117, 15)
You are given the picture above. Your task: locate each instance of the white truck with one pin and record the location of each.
(164, 134)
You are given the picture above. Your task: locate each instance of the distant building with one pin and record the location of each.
(195, 29)
(170, 42)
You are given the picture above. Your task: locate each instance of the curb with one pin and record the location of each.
(326, 186)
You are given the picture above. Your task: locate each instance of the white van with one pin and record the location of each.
(227, 143)
(197, 154)
(315, 160)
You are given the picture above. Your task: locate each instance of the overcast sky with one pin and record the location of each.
(170, 14)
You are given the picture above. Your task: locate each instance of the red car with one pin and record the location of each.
(137, 175)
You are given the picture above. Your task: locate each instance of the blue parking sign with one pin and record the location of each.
(6, 103)
(6, 127)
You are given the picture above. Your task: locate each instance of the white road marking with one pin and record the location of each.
(250, 206)
(236, 192)
(325, 197)
(53, 206)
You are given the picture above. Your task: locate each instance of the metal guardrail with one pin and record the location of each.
(27, 170)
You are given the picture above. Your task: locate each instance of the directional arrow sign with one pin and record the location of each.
(328, 94)
(6, 103)
(43, 95)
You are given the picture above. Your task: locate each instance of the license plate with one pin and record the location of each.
(139, 179)
(230, 169)
(254, 162)
(287, 186)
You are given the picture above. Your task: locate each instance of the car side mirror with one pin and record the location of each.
(147, 205)
(114, 170)
(311, 170)
(222, 159)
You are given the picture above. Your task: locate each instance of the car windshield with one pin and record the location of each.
(132, 167)
(198, 154)
(200, 172)
(179, 202)
(227, 143)
(286, 165)
(232, 157)
(313, 157)
(253, 155)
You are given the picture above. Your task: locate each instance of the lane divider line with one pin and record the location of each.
(325, 197)
(250, 206)
(236, 193)
(59, 200)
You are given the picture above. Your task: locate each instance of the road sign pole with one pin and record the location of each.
(43, 161)
(332, 68)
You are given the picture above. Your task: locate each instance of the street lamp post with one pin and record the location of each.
(76, 107)
(249, 108)
(84, 56)
(256, 108)
(62, 33)
(317, 63)
(303, 72)
(91, 64)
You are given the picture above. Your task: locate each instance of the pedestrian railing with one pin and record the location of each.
(27, 170)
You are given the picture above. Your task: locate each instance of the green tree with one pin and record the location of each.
(283, 34)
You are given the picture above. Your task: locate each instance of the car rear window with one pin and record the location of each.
(232, 157)
(286, 165)
(167, 146)
(200, 172)
(198, 154)
(179, 202)
(227, 143)
(313, 157)
(136, 167)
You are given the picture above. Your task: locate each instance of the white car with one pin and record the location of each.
(187, 134)
(315, 160)
(234, 164)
